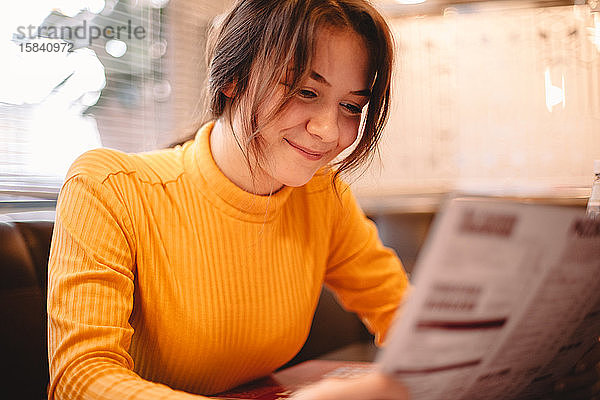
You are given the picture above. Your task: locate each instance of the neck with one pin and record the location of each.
(231, 161)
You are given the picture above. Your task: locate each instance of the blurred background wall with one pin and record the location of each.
(492, 98)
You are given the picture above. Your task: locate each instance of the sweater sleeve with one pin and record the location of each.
(367, 277)
(90, 298)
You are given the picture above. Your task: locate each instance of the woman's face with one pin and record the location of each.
(323, 119)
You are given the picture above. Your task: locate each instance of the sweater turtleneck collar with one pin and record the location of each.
(221, 191)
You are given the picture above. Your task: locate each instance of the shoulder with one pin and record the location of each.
(161, 166)
(100, 164)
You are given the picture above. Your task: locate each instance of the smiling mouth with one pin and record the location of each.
(307, 152)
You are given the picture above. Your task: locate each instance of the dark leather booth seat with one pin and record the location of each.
(24, 249)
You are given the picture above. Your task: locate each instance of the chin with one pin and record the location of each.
(296, 180)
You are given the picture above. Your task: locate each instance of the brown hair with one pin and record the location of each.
(252, 48)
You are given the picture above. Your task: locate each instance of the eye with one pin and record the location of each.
(351, 108)
(307, 94)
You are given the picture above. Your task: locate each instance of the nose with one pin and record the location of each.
(323, 123)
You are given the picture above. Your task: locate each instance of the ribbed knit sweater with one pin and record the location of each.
(167, 278)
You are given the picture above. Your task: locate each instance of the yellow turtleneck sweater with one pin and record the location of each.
(166, 278)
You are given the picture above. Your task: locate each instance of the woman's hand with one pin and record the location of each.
(372, 386)
(584, 382)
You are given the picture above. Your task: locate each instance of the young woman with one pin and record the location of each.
(188, 271)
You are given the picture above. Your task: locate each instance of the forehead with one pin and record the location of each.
(342, 58)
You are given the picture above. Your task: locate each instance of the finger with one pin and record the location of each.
(589, 359)
(322, 390)
(371, 386)
(336, 389)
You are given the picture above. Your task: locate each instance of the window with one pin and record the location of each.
(125, 74)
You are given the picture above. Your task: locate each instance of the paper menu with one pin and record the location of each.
(505, 300)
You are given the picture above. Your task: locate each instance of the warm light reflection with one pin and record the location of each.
(96, 6)
(595, 31)
(583, 13)
(58, 85)
(554, 94)
(58, 135)
(71, 8)
(159, 3)
(116, 48)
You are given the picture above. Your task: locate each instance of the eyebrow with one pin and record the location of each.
(319, 78)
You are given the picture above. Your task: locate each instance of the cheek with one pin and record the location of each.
(289, 118)
(348, 133)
